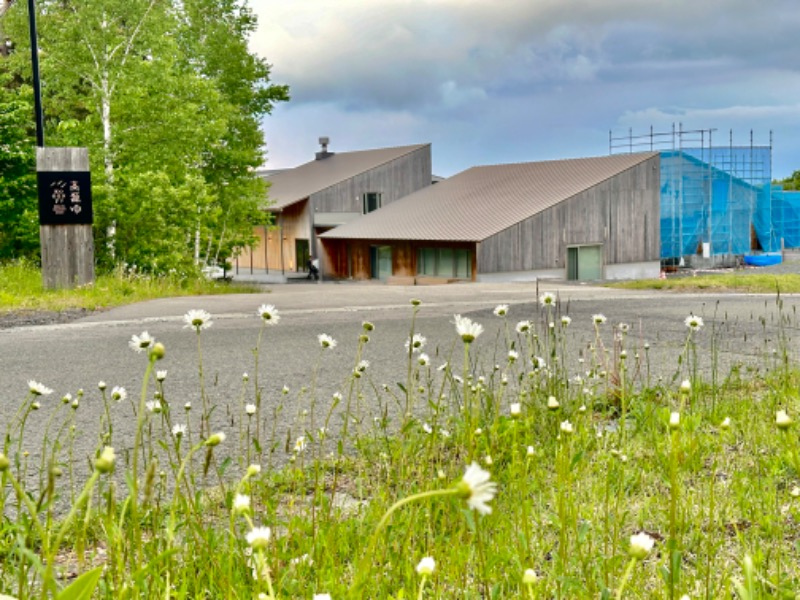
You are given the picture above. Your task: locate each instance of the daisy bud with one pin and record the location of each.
(4, 462)
(674, 420)
(641, 546)
(216, 439)
(426, 566)
(253, 470)
(686, 386)
(529, 577)
(158, 351)
(782, 420)
(105, 463)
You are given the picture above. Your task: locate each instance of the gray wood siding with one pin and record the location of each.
(621, 213)
(395, 179)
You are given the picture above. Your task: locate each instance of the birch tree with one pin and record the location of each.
(171, 119)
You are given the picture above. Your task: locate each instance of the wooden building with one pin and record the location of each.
(579, 219)
(332, 190)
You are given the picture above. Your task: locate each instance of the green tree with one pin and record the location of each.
(164, 92)
(19, 213)
(790, 183)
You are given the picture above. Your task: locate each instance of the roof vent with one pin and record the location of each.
(323, 153)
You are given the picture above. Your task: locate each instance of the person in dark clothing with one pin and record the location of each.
(313, 268)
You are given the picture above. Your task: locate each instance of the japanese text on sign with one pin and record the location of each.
(64, 198)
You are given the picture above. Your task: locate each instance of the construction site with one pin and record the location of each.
(719, 206)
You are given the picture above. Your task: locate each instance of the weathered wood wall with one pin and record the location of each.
(395, 179)
(351, 258)
(621, 213)
(67, 250)
(296, 225)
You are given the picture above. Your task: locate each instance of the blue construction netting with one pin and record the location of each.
(721, 197)
(785, 214)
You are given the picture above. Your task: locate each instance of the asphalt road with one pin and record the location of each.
(744, 329)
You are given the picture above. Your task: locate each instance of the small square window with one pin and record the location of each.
(372, 201)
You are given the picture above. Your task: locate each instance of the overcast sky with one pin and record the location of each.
(495, 81)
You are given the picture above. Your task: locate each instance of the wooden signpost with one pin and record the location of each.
(65, 217)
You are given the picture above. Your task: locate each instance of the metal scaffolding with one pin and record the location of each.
(715, 200)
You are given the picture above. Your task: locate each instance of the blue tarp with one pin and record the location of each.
(723, 197)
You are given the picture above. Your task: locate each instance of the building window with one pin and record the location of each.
(445, 262)
(372, 201)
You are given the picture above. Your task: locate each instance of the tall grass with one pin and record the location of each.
(607, 485)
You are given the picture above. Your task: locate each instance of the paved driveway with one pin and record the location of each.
(743, 329)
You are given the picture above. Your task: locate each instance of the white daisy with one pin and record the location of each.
(415, 343)
(140, 343)
(241, 503)
(477, 488)
(523, 327)
(547, 299)
(694, 322)
(38, 389)
(501, 310)
(197, 319)
(269, 314)
(258, 537)
(326, 341)
(467, 329)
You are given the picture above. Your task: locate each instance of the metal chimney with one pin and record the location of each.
(323, 153)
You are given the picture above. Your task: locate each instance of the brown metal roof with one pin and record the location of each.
(482, 201)
(294, 185)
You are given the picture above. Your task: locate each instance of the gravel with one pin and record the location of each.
(24, 318)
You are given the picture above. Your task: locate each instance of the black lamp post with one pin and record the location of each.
(37, 87)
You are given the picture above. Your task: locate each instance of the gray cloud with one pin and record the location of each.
(515, 74)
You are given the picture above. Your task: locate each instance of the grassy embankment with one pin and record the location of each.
(21, 290)
(754, 283)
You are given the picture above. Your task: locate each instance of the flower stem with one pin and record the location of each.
(134, 498)
(625, 577)
(369, 555)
